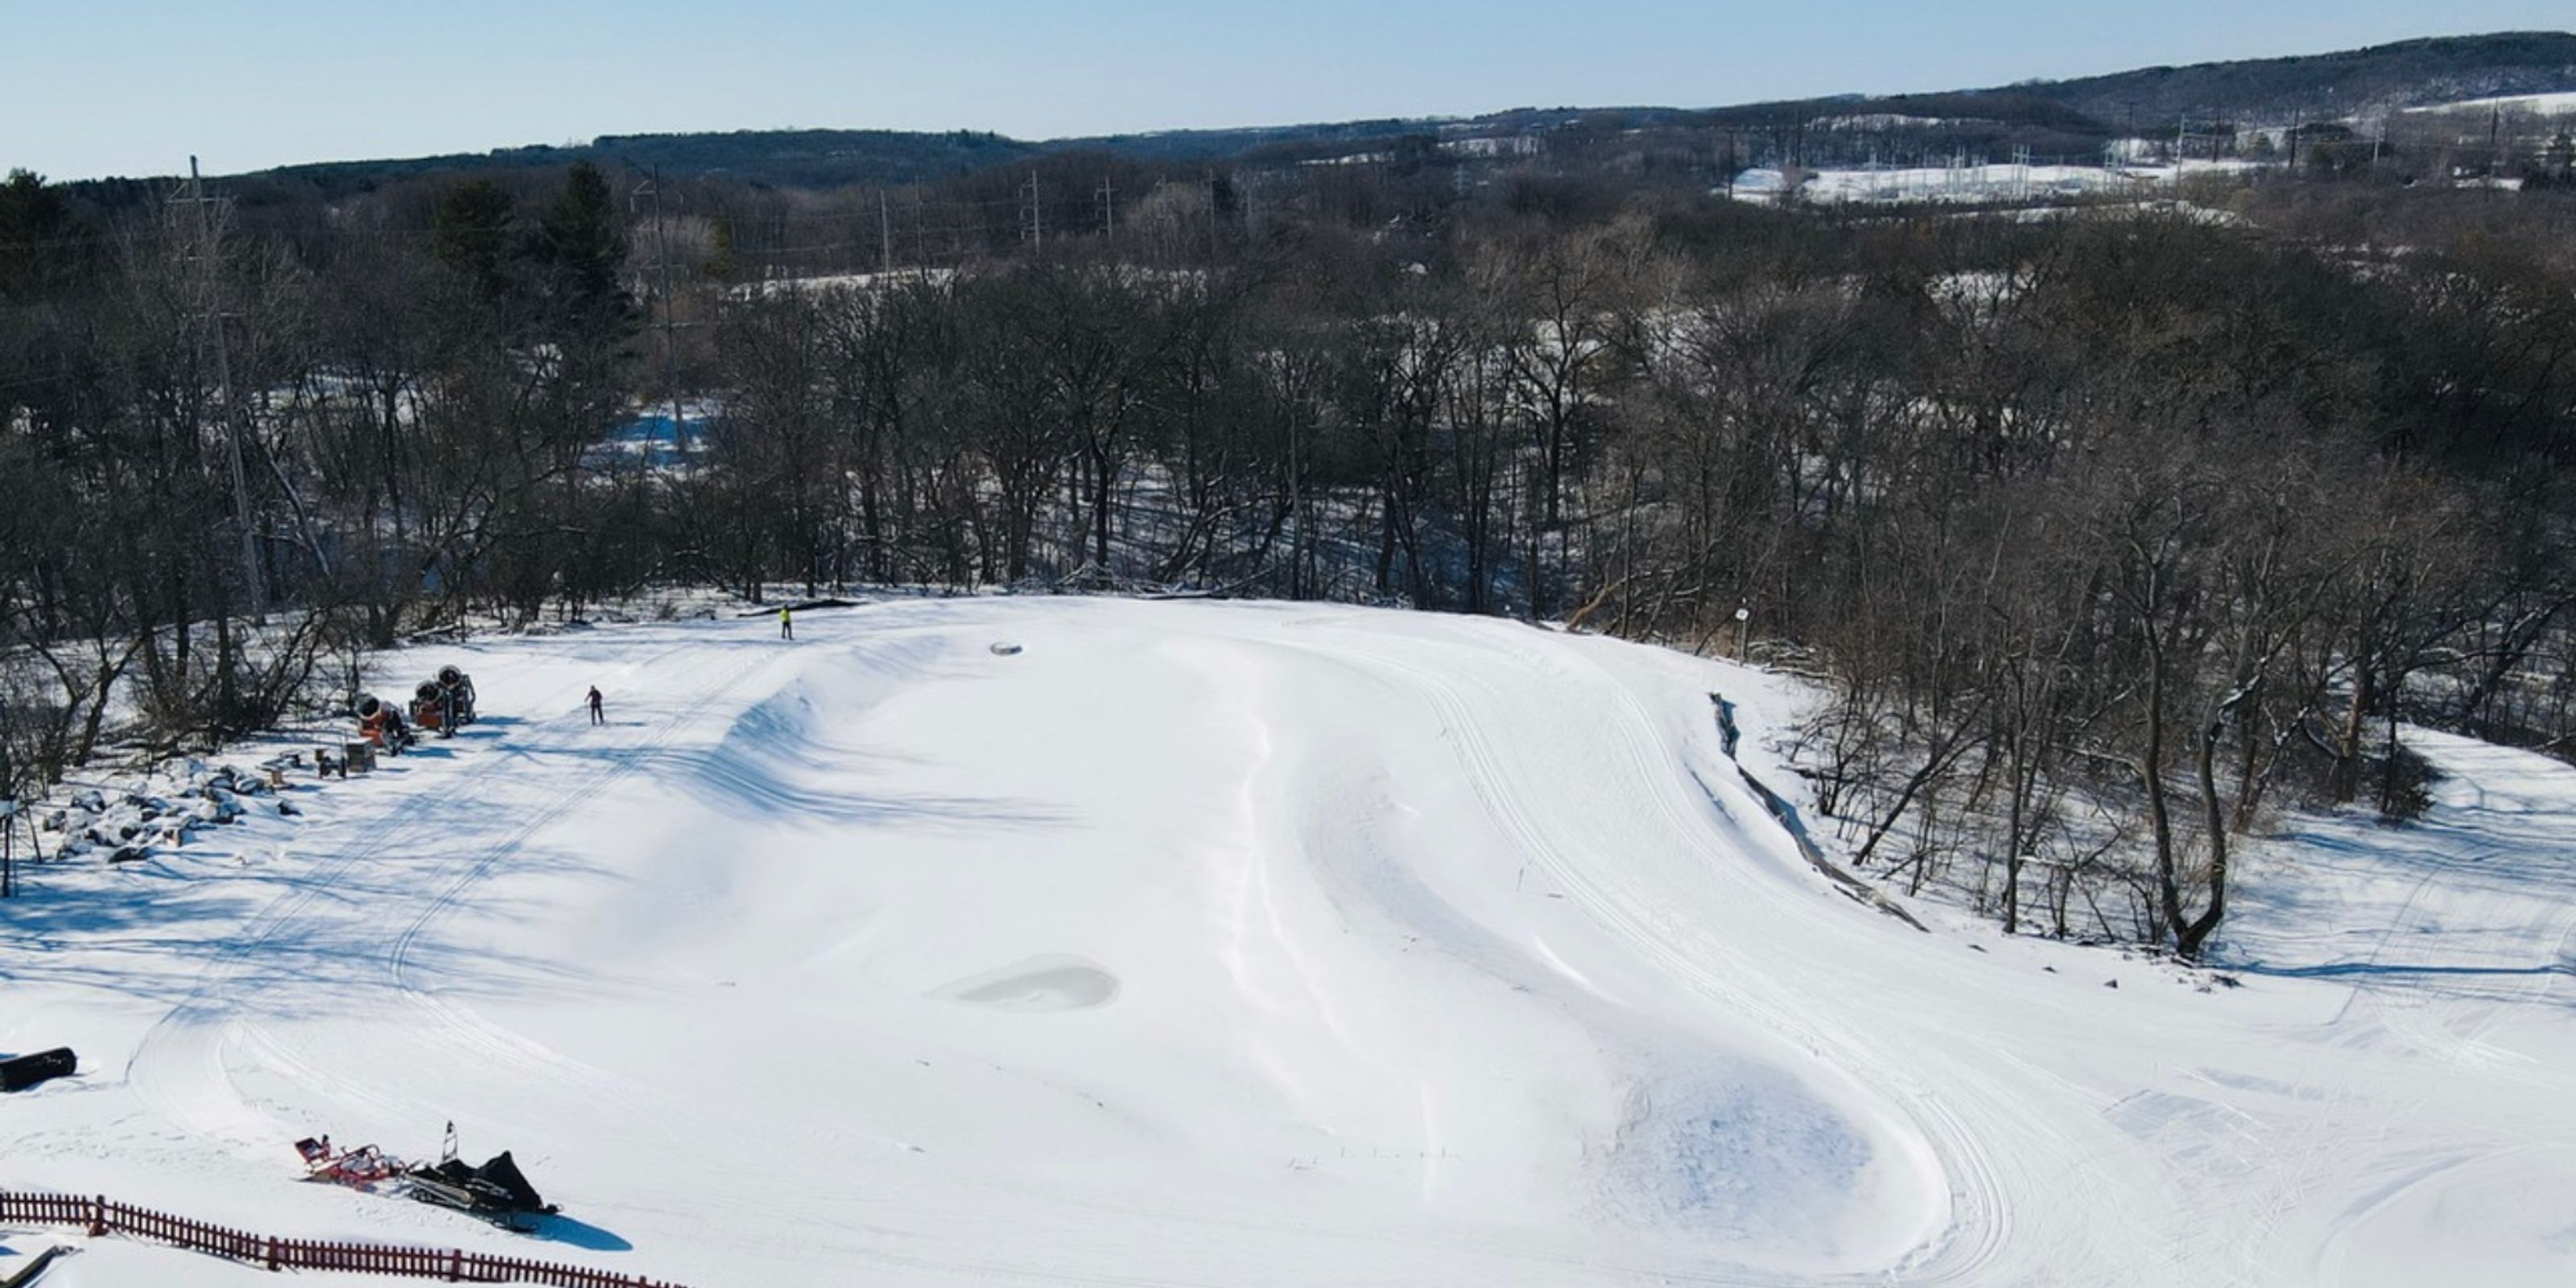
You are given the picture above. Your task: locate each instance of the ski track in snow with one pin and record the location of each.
(179, 1070)
(1255, 944)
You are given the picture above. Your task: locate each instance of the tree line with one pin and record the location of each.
(2108, 532)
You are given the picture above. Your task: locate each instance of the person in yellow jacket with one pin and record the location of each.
(786, 624)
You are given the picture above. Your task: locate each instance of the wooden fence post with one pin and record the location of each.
(455, 1264)
(98, 1216)
(272, 1252)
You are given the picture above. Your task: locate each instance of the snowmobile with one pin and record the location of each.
(497, 1191)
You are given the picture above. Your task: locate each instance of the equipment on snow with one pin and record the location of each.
(362, 1168)
(446, 703)
(462, 685)
(497, 1191)
(27, 1070)
(382, 723)
(427, 706)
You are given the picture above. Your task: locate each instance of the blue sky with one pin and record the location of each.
(94, 87)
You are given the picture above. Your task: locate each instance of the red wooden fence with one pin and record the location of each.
(106, 1216)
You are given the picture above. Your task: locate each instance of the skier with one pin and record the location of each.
(595, 717)
(786, 624)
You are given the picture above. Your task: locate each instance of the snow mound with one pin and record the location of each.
(1052, 983)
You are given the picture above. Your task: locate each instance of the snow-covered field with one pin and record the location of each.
(1248, 944)
(2540, 104)
(1977, 183)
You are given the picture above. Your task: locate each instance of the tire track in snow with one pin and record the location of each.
(463, 1024)
(178, 1068)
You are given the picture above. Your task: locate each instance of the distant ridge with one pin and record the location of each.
(2065, 116)
(2407, 73)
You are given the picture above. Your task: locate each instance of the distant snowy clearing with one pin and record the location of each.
(1978, 183)
(1266, 944)
(2544, 104)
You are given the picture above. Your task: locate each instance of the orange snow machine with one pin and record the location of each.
(445, 704)
(381, 724)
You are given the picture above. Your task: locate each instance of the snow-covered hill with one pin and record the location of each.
(1203, 943)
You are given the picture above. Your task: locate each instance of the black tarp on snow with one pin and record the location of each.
(28, 1070)
(499, 1181)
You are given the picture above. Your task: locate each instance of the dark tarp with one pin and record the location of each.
(498, 1183)
(505, 1174)
(28, 1070)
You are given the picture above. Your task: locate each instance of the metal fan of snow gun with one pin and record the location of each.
(445, 703)
(381, 723)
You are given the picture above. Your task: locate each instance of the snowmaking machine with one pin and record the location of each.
(381, 723)
(446, 703)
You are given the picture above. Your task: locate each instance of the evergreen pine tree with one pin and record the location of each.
(470, 233)
(34, 219)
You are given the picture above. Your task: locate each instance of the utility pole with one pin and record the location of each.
(920, 237)
(1035, 230)
(885, 236)
(670, 325)
(1108, 211)
(211, 303)
(652, 187)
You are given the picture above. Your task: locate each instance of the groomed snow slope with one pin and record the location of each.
(1266, 945)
